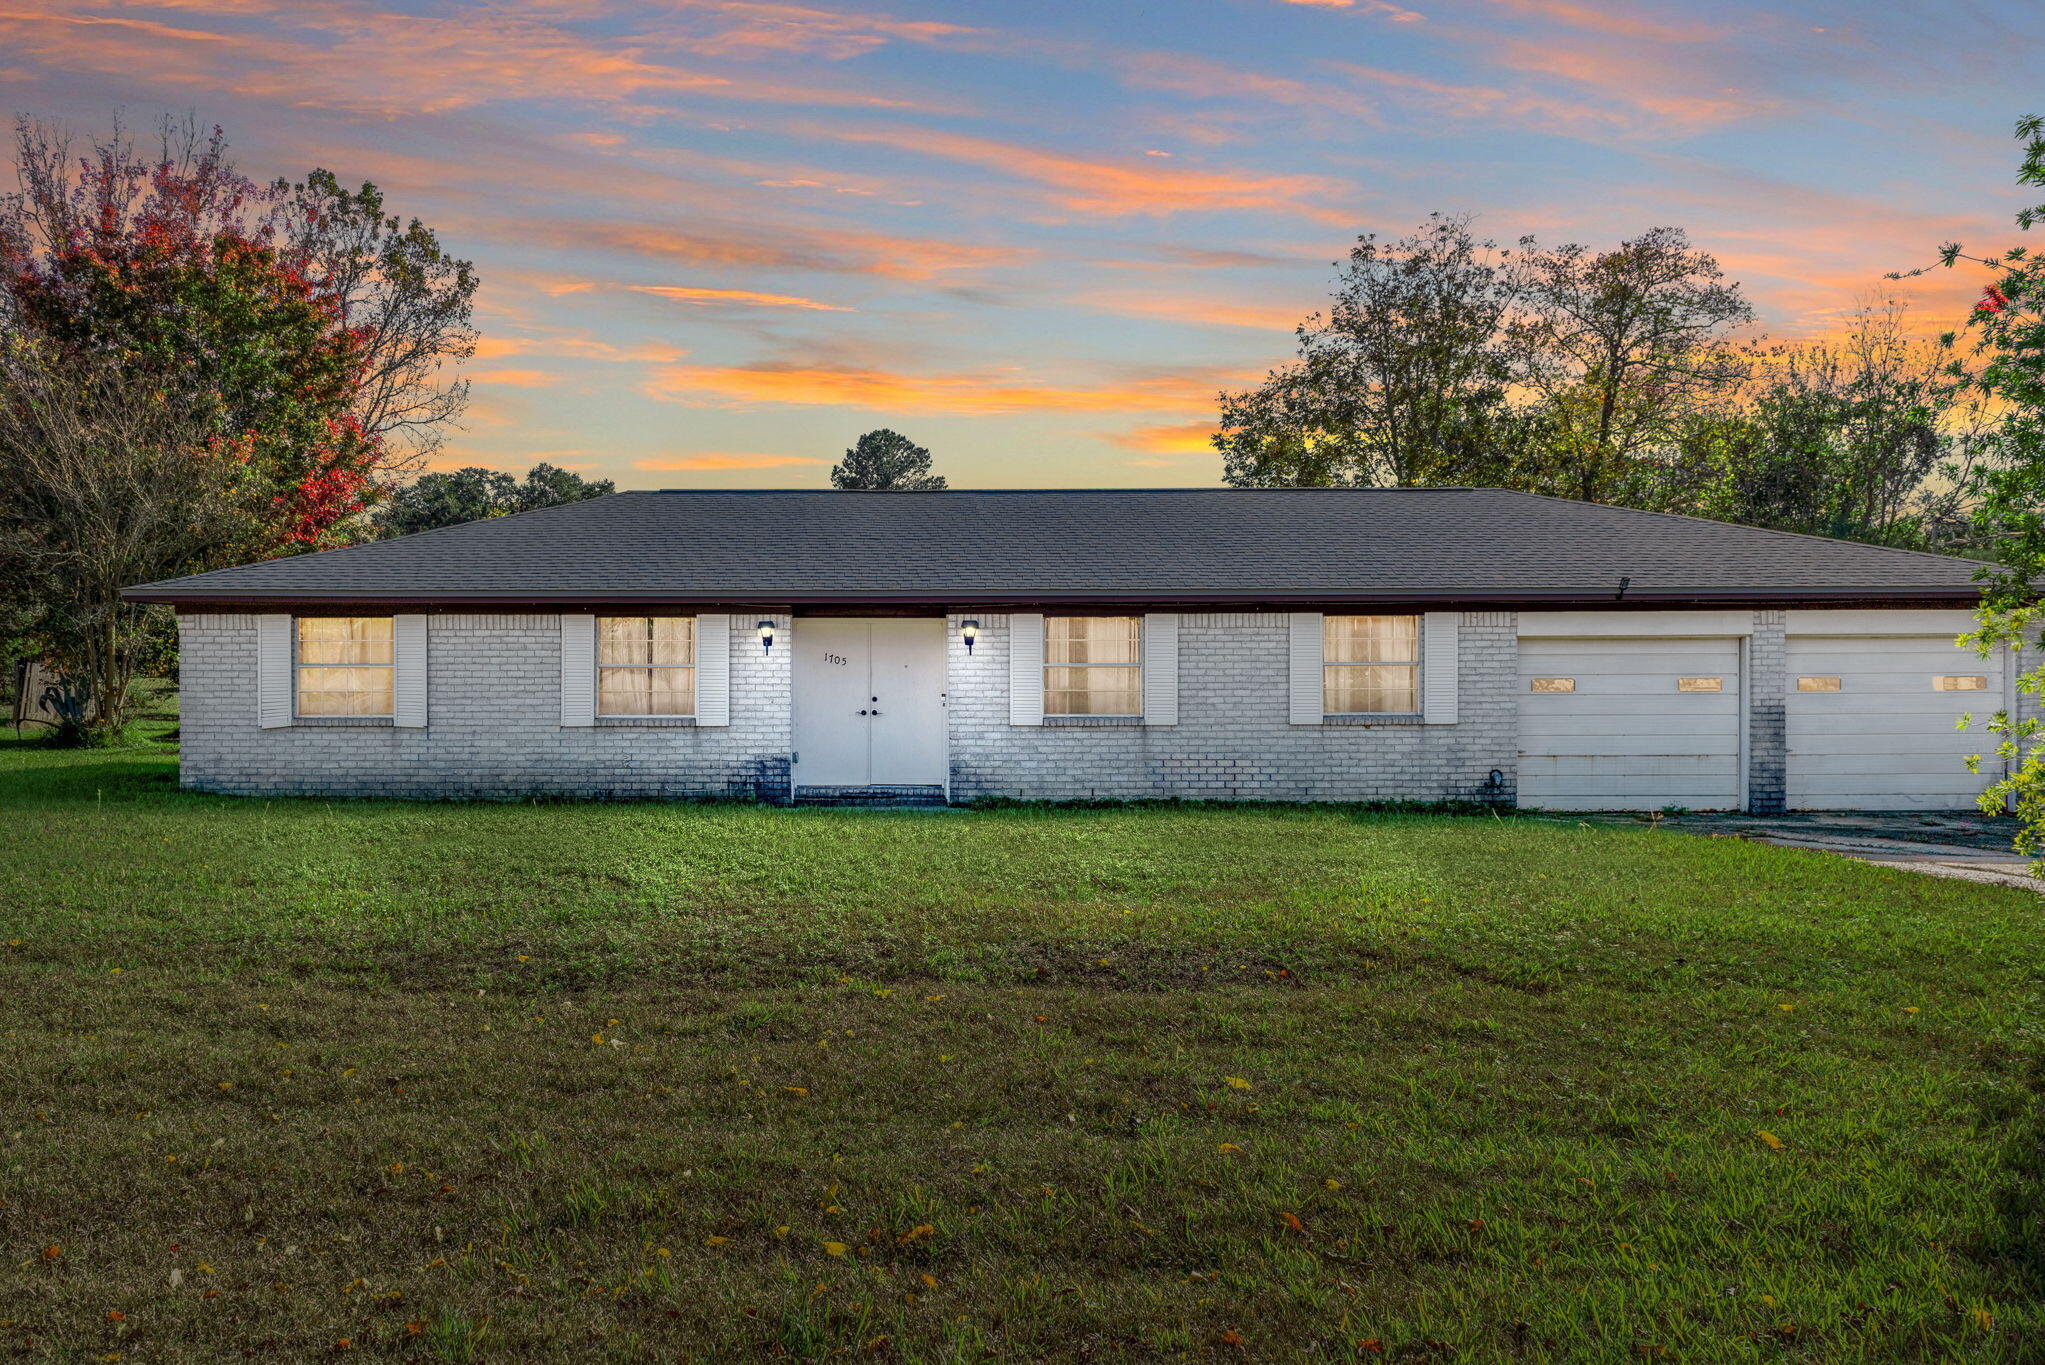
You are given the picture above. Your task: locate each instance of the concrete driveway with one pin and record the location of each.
(1963, 845)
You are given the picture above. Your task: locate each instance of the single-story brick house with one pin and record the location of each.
(1287, 644)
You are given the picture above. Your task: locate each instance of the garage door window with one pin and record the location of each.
(1817, 684)
(1962, 682)
(1370, 665)
(1551, 684)
(1700, 684)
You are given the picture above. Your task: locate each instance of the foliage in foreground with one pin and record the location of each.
(646, 1082)
(2008, 324)
(196, 370)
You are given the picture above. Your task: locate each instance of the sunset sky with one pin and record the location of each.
(719, 239)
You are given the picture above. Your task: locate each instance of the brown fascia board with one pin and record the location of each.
(923, 604)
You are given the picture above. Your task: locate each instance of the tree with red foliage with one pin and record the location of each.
(300, 325)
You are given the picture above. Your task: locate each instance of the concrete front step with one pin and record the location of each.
(870, 796)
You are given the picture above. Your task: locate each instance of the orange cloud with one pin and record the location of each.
(761, 30)
(1199, 311)
(789, 382)
(1180, 438)
(1609, 19)
(773, 247)
(577, 346)
(722, 459)
(740, 297)
(389, 64)
(1115, 188)
(1185, 75)
(514, 378)
(1392, 12)
(1493, 104)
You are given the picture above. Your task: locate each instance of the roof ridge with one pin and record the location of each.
(1742, 526)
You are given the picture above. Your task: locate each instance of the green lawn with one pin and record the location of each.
(582, 1083)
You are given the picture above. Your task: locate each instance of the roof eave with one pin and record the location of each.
(968, 600)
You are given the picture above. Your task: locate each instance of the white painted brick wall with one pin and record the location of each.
(494, 706)
(1233, 739)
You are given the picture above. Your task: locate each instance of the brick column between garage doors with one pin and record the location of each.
(1767, 711)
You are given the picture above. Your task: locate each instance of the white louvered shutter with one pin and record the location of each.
(1161, 668)
(713, 670)
(408, 672)
(1438, 664)
(578, 670)
(1026, 669)
(1305, 651)
(273, 670)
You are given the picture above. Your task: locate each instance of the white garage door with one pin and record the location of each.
(1624, 724)
(1872, 722)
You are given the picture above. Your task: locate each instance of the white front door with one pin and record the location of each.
(869, 701)
(1629, 724)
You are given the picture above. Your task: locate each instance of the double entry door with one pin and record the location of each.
(869, 701)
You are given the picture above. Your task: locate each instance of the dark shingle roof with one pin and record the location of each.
(1472, 545)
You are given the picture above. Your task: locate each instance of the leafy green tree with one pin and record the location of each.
(1622, 348)
(476, 494)
(1867, 437)
(301, 327)
(886, 461)
(1404, 381)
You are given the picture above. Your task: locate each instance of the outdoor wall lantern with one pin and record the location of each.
(766, 637)
(969, 631)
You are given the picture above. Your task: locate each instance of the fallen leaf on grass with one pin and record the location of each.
(1291, 1220)
(1236, 1083)
(835, 1248)
(1774, 1142)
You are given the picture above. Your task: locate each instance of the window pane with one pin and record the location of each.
(344, 691)
(646, 691)
(1817, 684)
(674, 640)
(1551, 684)
(1962, 683)
(1093, 691)
(1370, 689)
(673, 692)
(1093, 639)
(1371, 639)
(344, 639)
(1700, 684)
(624, 640)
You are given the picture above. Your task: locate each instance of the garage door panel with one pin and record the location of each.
(1872, 727)
(1916, 800)
(1901, 753)
(1624, 738)
(1888, 739)
(1689, 720)
(1588, 738)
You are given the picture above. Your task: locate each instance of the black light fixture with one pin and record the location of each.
(766, 637)
(969, 631)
